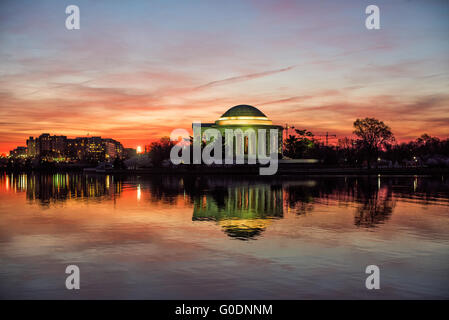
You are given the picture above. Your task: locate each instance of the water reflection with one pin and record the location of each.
(243, 211)
(375, 204)
(62, 187)
(157, 237)
(244, 208)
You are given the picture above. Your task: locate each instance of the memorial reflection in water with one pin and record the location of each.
(243, 211)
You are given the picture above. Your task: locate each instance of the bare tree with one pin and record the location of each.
(373, 136)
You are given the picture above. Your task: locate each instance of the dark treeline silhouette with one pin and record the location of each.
(374, 146)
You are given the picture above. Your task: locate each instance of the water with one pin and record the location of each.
(223, 237)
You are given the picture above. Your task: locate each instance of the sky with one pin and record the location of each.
(136, 70)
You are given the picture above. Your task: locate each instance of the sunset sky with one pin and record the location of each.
(138, 69)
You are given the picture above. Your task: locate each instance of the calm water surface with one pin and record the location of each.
(223, 237)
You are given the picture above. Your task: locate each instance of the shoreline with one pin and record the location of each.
(251, 170)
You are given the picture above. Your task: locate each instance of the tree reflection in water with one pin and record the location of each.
(376, 204)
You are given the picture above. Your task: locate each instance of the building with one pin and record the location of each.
(18, 152)
(246, 118)
(44, 144)
(32, 147)
(47, 146)
(94, 149)
(113, 149)
(58, 145)
(77, 149)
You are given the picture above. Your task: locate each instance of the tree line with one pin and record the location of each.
(374, 145)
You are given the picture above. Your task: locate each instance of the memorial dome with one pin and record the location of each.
(243, 114)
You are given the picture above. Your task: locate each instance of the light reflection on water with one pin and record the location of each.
(167, 237)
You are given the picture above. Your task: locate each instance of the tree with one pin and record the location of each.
(297, 146)
(373, 136)
(347, 153)
(160, 151)
(427, 144)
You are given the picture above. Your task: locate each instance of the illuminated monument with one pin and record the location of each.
(245, 118)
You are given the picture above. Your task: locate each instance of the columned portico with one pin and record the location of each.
(247, 124)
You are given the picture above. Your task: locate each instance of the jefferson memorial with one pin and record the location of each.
(246, 118)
